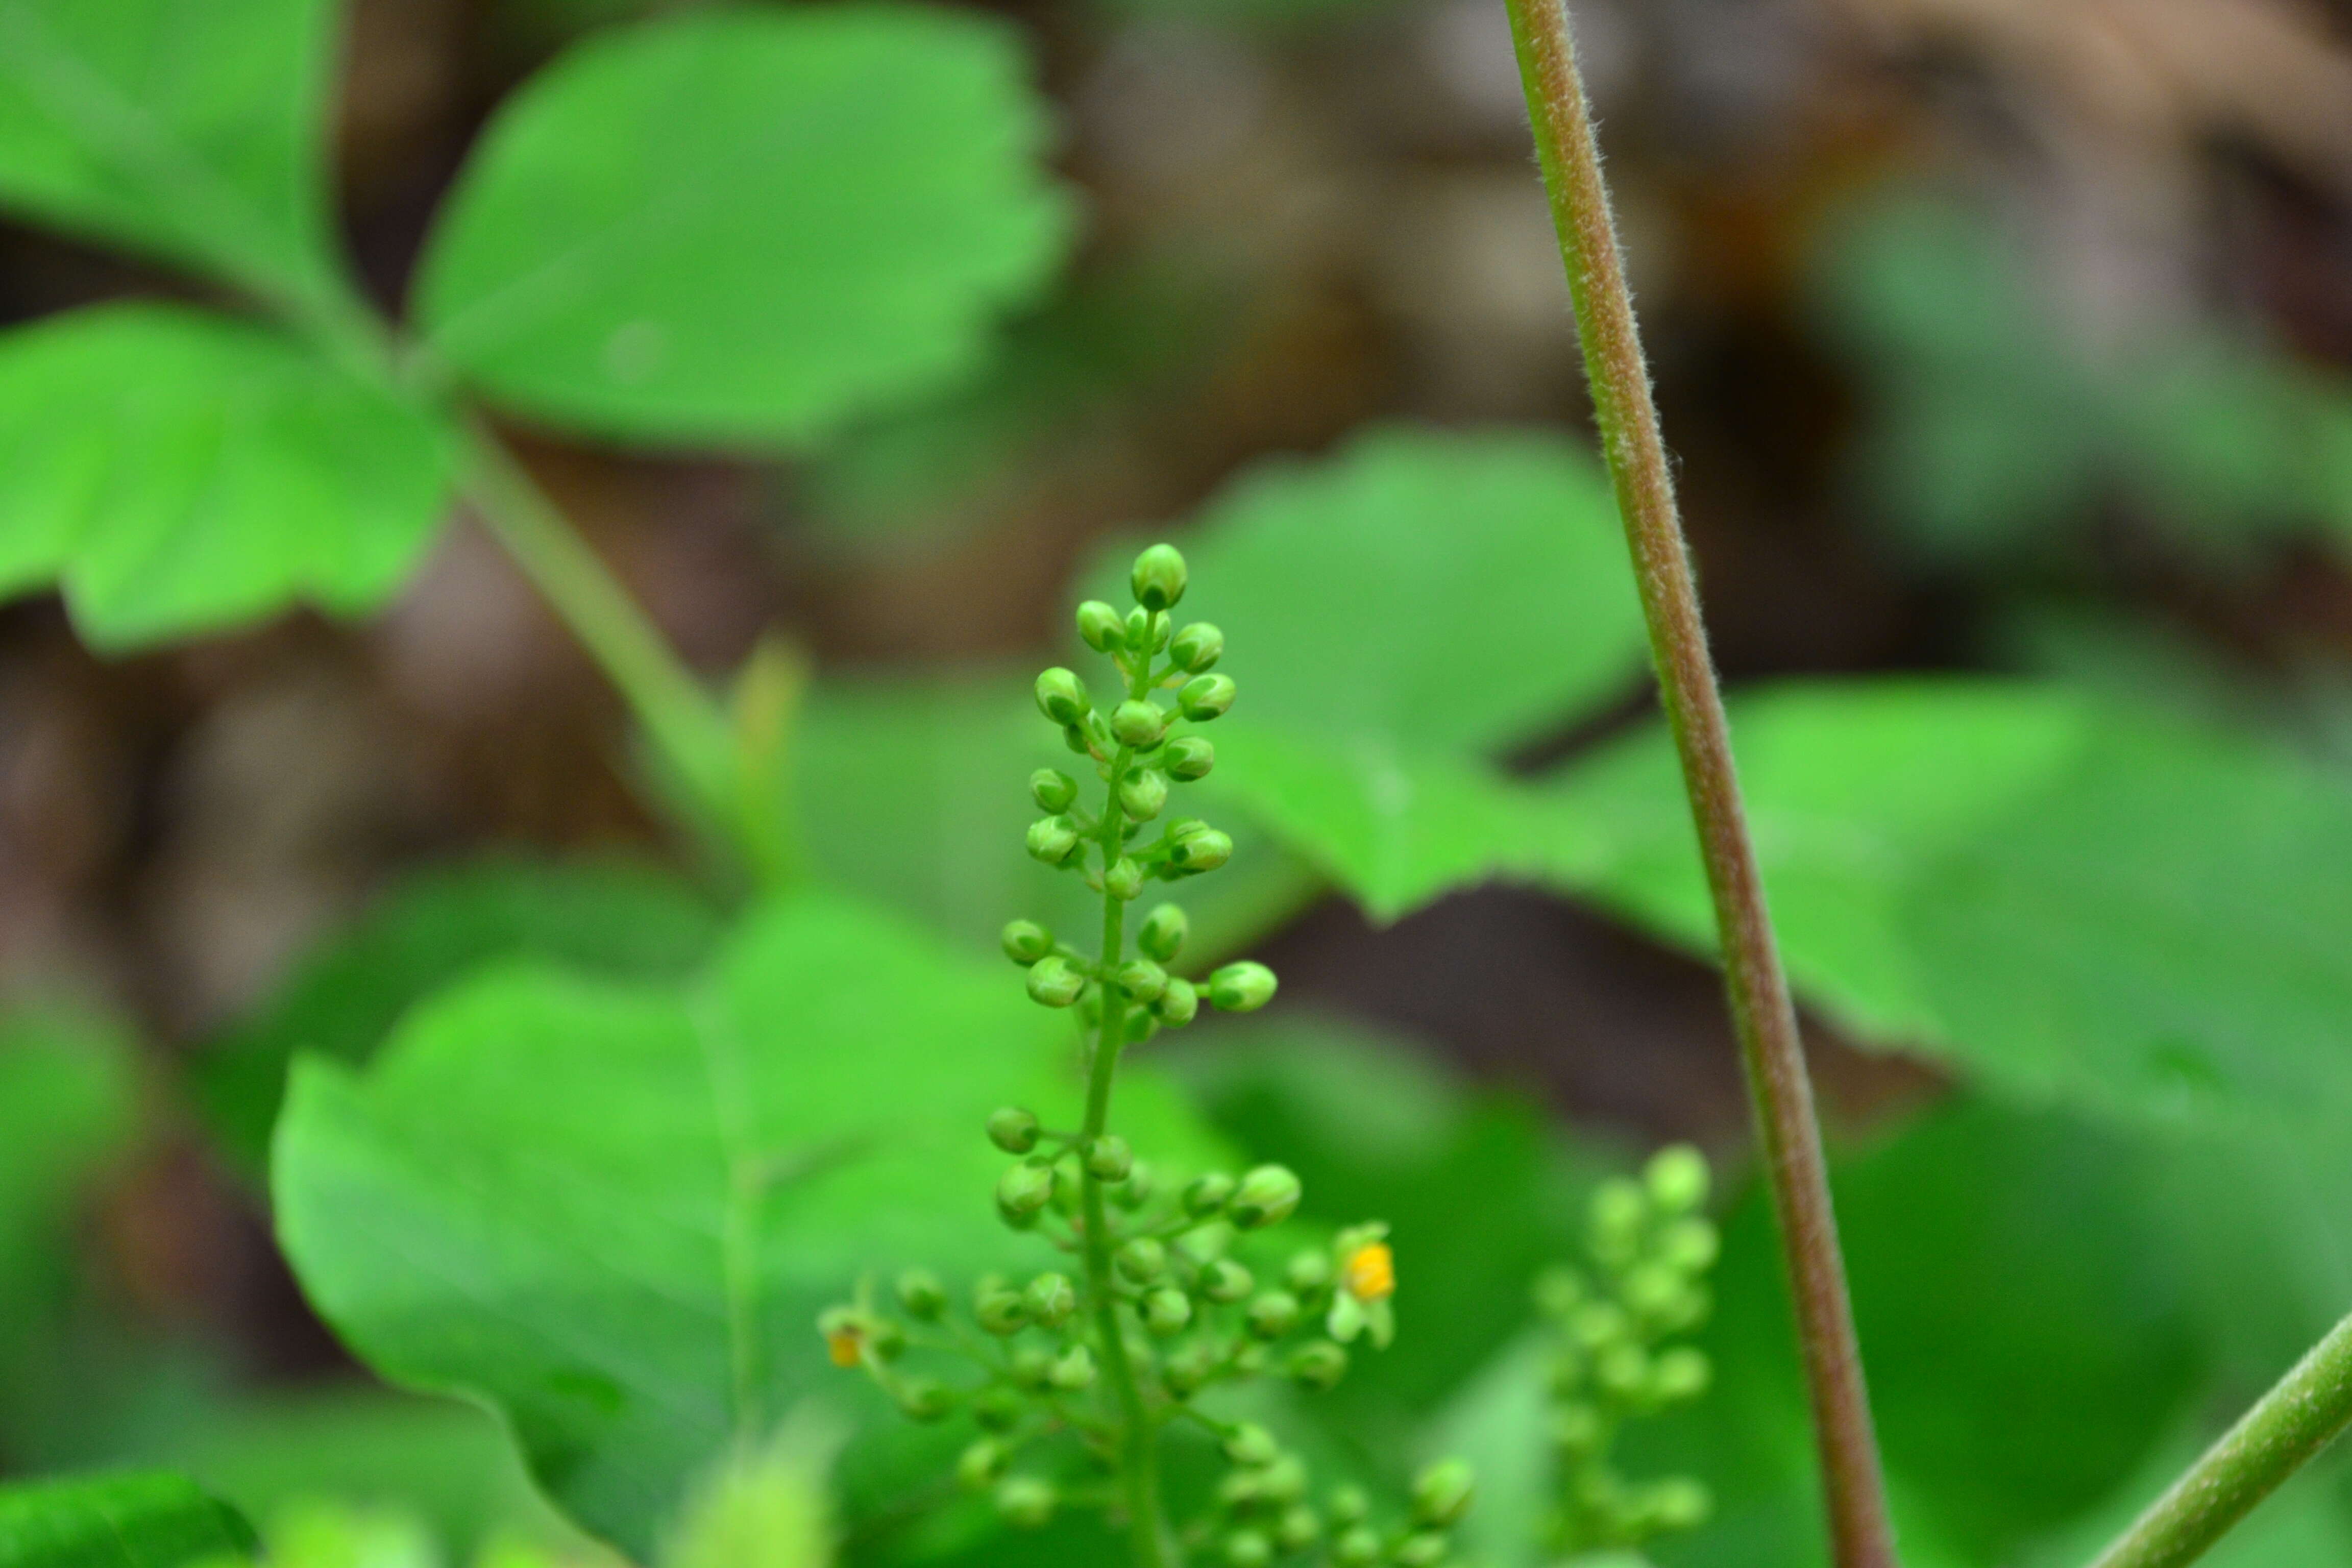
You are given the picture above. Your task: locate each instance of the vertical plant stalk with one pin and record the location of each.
(688, 729)
(1139, 1463)
(1761, 1011)
(2305, 1412)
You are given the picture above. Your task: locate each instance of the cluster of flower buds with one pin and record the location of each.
(1613, 1324)
(1262, 1513)
(1140, 749)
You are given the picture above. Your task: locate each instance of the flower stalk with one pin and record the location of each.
(1762, 1012)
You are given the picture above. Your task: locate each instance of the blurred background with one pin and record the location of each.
(1989, 334)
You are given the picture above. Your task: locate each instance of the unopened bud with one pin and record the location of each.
(1013, 1130)
(1677, 1178)
(1102, 627)
(1267, 1195)
(1052, 789)
(1423, 1548)
(1205, 697)
(1299, 1528)
(1203, 850)
(1318, 1365)
(981, 1464)
(1022, 1191)
(1158, 578)
(1136, 1191)
(1678, 1502)
(1241, 987)
(1206, 1195)
(1358, 1547)
(1124, 880)
(921, 1399)
(1052, 1299)
(1178, 1005)
(1688, 1246)
(1056, 982)
(1188, 757)
(1309, 1273)
(1273, 1314)
(1024, 1502)
(1681, 1373)
(1251, 1444)
(1000, 1311)
(1166, 1310)
(1142, 1259)
(1143, 793)
(1163, 932)
(1226, 1281)
(920, 1292)
(997, 1409)
(1108, 1159)
(1350, 1505)
(1074, 1369)
(1062, 696)
(1441, 1494)
(1026, 942)
(1139, 722)
(1052, 839)
(1197, 647)
(1248, 1549)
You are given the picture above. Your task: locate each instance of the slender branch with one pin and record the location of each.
(1762, 1014)
(2306, 1410)
(688, 729)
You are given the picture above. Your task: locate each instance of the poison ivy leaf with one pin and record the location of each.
(2075, 901)
(190, 129)
(913, 793)
(178, 472)
(623, 921)
(612, 1211)
(1398, 615)
(144, 1519)
(746, 227)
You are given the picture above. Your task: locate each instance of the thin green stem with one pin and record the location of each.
(1761, 1011)
(1139, 1460)
(688, 729)
(2302, 1413)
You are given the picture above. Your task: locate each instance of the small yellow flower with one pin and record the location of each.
(1369, 1273)
(846, 1344)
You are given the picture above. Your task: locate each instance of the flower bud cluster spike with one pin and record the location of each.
(1616, 1356)
(1162, 1289)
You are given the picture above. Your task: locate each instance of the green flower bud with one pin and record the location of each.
(1142, 1259)
(1677, 1177)
(1069, 1193)
(1188, 757)
(1124, 880)
(1026, 942)
(1141, 979)
(1197, 647)
(1022, 1191)
(1688, 1246)
(1136, 1191)
(1678, 1502)
(1183, 1374)
(1141, 1026)
(1241, 987)
(1167, 1309)
(1424, 1548)
(1075, 738)
(1138, 723)
(1248, 1549)
(1599, 1325)
(1056, 982)
(1299, 1528)
(920, 1292)
(1024, 1502)
(1143, 793)
(1139, 629)
(1205, 697)
(1062, 696)
(1318, 1365)
(1358, 1547)
(1251, 1444)
(1273, 1314)
(1284, 1480)
(1074, 1369)
(1441, 1494)
(1108, 1159)
(1052, 839)
(1052, 790)
(1163, 932)
(1102, 627)
(996, 1409)
(979, 1464)
(1576, 1430)
(1681, 1373)
(1266, 1196)
(1013, 1130)
(1309, 1273)
(1032, 1368)
(1350, 1505)
(1000, 1311)
(920, 1399)
(1052, 1299)
(1178, 1005)
(1204, 850)
(1100, 742)
(1206, 1195)
(1623, 1369)
(1158, 578)
(1226, 1281)
(1620, 1210)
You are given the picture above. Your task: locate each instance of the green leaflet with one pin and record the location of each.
(144, 1519)
(614, 1210)
(186, 128)
(179, 472)
(1408, 609)
(741, 228)
(623, 920)
(2079, 903)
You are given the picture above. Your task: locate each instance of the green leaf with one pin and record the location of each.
(621, 920)
(743, 228)
(145, 1520)
(2077, 901)
(178, 472)
(193, 129)
(1399, 616)
(612, 1211)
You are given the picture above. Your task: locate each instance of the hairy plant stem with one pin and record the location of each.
(1761, 1011)
(688, 729)
(2302, 1413)
(1139, 1462)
